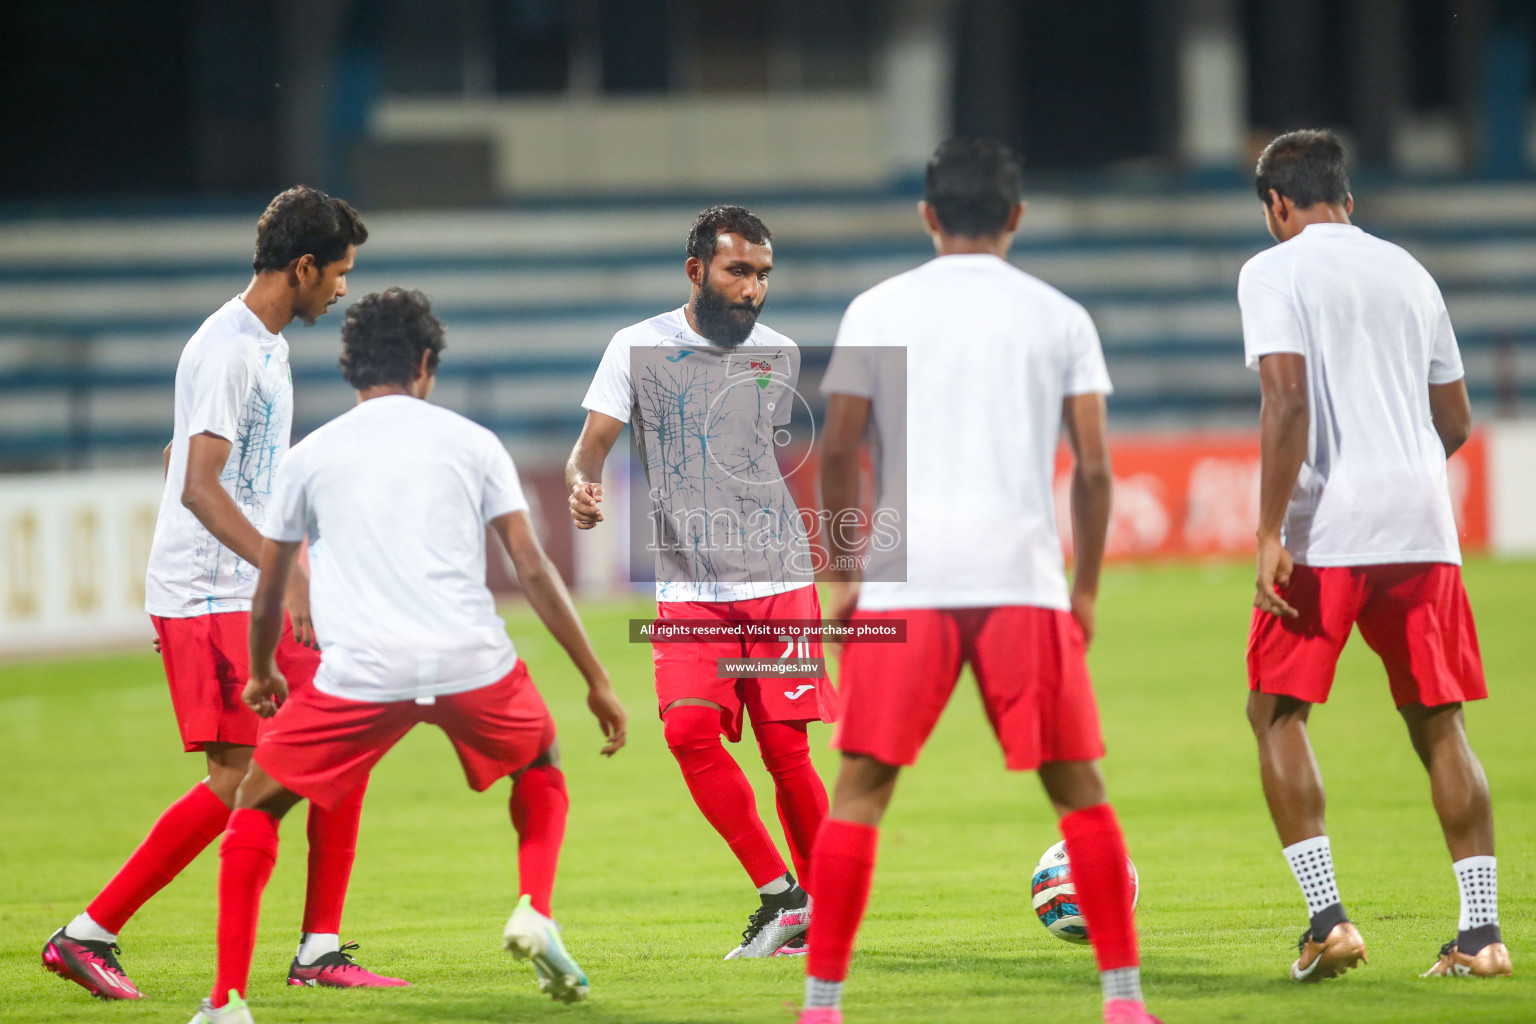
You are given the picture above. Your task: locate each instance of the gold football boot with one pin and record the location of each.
(1341, 949)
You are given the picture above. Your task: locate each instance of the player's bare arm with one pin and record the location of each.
(206, 498)
(584, 469)
(267, 687)
(1085, 421)
(841, 437)
(551, 601)
(1283, 423)
(1450, 410)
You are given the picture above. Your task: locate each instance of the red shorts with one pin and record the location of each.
(322, 747)
(207, 663)
(1414, 615)
(689, 670)
(1030, 665)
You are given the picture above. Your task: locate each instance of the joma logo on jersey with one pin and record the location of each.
(679, 357)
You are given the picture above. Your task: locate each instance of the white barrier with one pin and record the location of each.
(1512, 488)
(73, 547)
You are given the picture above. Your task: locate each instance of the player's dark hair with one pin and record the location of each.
(972, 185)
(305, 221)
(384, 335)
(1306, 167)
(708, 226)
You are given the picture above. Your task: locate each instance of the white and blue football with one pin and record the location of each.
(1055, 897)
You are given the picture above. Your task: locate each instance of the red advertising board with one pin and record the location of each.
(1198, 494)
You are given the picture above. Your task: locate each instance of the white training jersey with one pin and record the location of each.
(724, 526)
(394, 497)
(232, 381)
(991, 354)
(1375, 334)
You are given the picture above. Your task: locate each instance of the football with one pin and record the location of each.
(1055, 897)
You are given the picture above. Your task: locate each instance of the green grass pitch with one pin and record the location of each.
(651, 899)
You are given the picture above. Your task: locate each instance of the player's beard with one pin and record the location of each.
(726, 324)
(309, 317)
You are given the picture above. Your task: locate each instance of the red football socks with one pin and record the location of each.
(843, 865)
(248, 852)
(798, 792)
(539, 807)
(721, 790)
(1102, 877)
(332, 847)
(183, 831)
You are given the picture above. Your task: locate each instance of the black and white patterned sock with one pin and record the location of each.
(1311, 862)
(1478, 880)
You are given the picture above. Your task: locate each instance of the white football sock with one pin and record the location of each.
(314, 945)
(86, 929)
(1311, 862)
(1478, 879)
(1121, 983)
(819, 993)
(779, 885)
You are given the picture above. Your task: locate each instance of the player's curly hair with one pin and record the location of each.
(709, 225)
(384, 335)
(305, 221)
(972, 186)
(1306, 167)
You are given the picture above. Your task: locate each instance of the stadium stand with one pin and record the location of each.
(94, 312)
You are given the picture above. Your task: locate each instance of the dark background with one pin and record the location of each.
(186, 99)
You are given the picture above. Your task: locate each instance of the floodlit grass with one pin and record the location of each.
(651, 899)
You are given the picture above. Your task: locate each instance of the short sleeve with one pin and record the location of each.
(288, 516)
(1271, 322)
(851, 370)
(1087, 373)
(1444, 354)
(503, 491)
(218, 388)
(612, 392)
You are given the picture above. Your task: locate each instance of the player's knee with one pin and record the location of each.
(1258, 717)
(785, 748)
(1268, 712)
(691, 727)
(1073, 785)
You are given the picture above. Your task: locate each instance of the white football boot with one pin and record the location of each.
(780, 920)
(532, 936)
(233, 1012)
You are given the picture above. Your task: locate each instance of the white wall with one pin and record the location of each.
(1512, 488)
(73, 547)
(577, 145)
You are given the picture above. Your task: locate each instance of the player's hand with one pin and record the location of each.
(842, 600)
(604, 704)
(1085, 609)
(584, 502)
(1275, 567)
(155, 643)
(264, 691)
(296, 601)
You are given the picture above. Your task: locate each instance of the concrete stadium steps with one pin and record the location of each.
(531, 297)
(175, 242)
